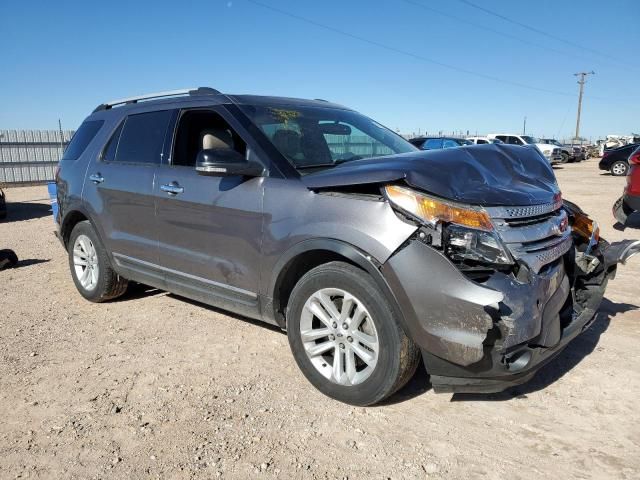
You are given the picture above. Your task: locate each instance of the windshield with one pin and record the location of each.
(529, 140)
(319, 137)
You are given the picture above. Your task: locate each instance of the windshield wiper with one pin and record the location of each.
(320, 165)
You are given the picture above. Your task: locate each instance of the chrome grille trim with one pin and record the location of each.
(541, 237)
(538, 259)
(524, 211)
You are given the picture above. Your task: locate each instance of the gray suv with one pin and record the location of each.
(307, 215)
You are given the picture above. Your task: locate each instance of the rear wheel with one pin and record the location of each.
(619, 168)
(345, 337)
(91, 269)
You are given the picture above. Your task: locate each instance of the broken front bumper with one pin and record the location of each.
(490, 335)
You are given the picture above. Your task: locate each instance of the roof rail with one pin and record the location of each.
(170, 93)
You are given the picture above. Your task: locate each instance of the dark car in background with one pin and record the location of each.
(630, 200)
(438, 143)
(616, 160)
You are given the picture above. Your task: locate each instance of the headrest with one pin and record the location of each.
(216, 138)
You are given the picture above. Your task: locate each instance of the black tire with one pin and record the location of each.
(8, 259)
(109, 284)
(566, 158)
(398, 356)
(621, 167)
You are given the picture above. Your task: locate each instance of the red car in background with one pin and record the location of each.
(630, 200)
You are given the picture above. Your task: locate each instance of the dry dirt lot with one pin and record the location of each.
(154, 386)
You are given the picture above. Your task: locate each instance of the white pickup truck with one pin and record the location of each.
(551, 152)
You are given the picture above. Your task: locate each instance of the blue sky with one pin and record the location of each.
(61, 59)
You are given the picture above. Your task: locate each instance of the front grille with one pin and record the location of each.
(537, 239)
(522, 212)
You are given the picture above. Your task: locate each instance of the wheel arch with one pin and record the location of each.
(71, 219)
(309, 254)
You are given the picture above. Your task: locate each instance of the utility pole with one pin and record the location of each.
(581, 82)
(61, 138)
(524, 127)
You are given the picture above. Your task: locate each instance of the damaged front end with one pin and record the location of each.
(492, 294)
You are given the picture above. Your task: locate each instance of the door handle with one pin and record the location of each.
(96, 178)
(172, 189)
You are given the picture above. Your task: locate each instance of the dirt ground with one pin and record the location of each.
(155, 386)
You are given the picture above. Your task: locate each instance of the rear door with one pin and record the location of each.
(209, 228)
(119, 187)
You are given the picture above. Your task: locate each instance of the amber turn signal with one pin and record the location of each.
(431, 210)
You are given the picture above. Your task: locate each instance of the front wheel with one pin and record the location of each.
(619, 168)
(345, 337)
(90, 267)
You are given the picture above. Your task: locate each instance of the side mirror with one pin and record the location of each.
(226, 162)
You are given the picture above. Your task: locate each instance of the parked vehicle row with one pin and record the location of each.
(570, 153)
(372, 255)
(552, 153)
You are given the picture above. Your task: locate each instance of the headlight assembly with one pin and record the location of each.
(432, 210)
(467, 232)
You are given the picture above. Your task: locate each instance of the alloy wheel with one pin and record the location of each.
(619, 168)
(339, 336)
(85, 262)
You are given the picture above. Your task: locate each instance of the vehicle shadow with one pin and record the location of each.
(19, 211)
(136, 291)
(227, 313)
(30, 261)
(572, 355)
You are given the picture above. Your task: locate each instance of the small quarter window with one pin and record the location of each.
(109, 154)
(81, 139)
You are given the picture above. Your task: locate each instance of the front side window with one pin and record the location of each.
(81, 139)
(321, 137)
(200, 130)
(142, 138)
(529, 140)
(515, 141)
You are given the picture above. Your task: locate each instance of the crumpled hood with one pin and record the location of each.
(488, 175)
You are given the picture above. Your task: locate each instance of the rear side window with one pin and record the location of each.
(432, 143)
(81, 139)
(141, 139)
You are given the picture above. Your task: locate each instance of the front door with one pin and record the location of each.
(209, 228)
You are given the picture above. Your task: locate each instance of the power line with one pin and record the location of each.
(492, 30)
(407, 53)
(536, 30)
